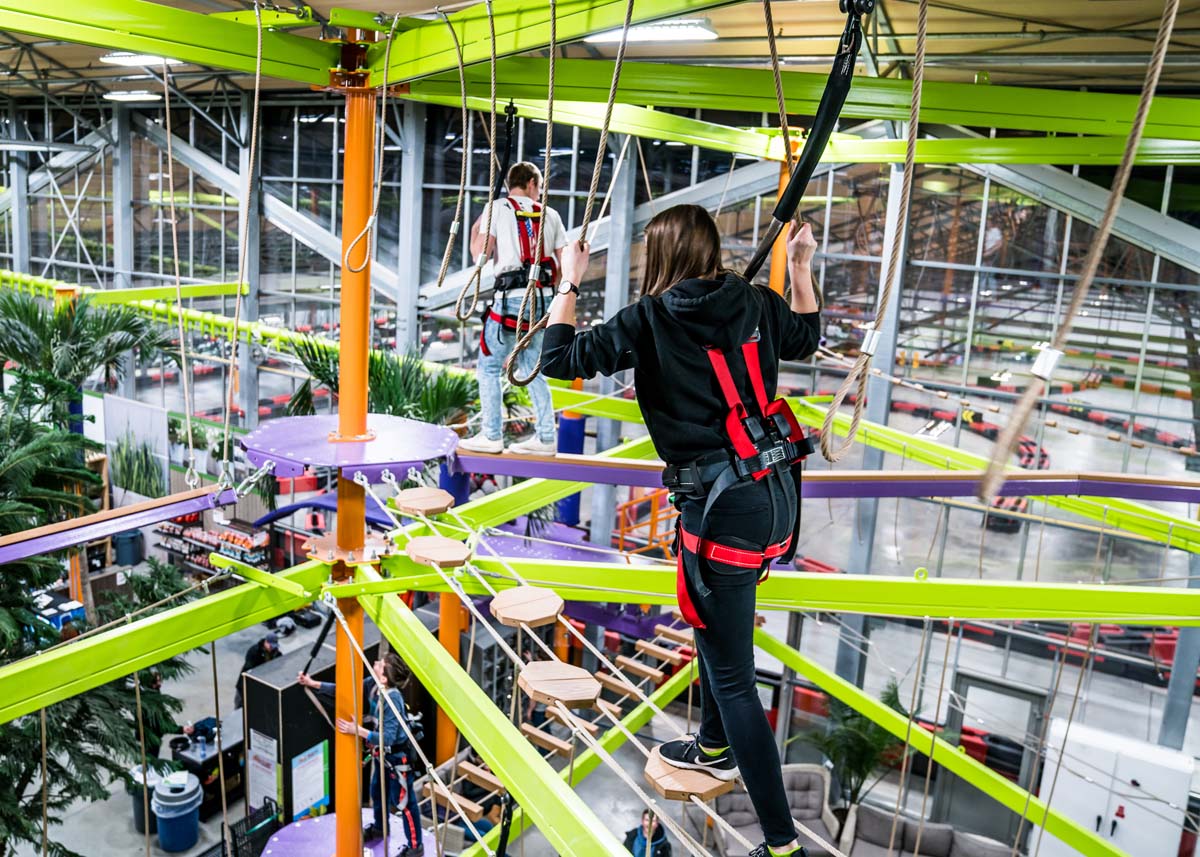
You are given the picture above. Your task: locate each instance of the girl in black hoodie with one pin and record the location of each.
(689, 308)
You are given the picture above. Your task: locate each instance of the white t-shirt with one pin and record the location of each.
(508, 242)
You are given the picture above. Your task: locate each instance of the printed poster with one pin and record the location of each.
(310, 780)
(261, 771)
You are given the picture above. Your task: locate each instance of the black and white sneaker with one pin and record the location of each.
(764, 851)
(686, 753)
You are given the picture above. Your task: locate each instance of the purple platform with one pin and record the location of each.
(294, 443)
(316, 837)
(87, 532)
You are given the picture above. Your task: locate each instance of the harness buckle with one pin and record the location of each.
(773, 455)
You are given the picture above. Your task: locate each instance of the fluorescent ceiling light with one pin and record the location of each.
(136, 60)
(679, 30)
(133, 95)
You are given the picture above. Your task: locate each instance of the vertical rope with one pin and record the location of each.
(455, 224)
(137, 696)
(1006, 444)
(861, 370)
(1041, 747)
(912, 714)
(933, 743)
(218, 740)
(779, 99)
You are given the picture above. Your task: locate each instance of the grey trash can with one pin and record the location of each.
(128, 547)
(176, 805)
(139, 800)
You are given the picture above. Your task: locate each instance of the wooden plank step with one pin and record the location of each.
(683, 636)
(611, 682)
(469, 808)
(480, 777)
(681, 784)
(659, 653)
(638, 668)
(610, 709)
(576, 721)
(545, 740)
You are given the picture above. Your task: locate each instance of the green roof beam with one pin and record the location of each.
(275, 19)
(162, 30)
(257, 575)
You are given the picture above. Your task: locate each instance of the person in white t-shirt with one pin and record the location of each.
(512, 245)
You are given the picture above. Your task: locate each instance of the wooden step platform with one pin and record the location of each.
(423, 501)
(545, 740)
(438, 550)
(480, 777)
(549, 682)
(614, 684)
(682, 636)
(527, 605)
(659, 653)
(469, 808)
(638, 668)
(681, 784)
(610, 709)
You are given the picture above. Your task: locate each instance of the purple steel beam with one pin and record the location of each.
(639, 626)
(87, 532)
(564, 469)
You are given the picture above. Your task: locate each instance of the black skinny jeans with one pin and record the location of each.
(750, 516)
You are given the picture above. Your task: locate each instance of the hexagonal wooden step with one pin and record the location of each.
(659, 653)
(683, 636)
(469, 808)
(423, 501)
(549, 682)
(528, 605)
(438, 550)
(681, 784)
(638, 668)
(545, 740)
(480, 777)
(555, 714)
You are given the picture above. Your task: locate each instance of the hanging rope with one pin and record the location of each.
(529, 299)
(218, 738)
(861, 371)
(191, 477)
(477, 275)
(1043, 368)
(912, 715)
(45, 792)
(368, 231)
(779, 100)
(137, 696)
(244, 248)
(455, 224)
(933, 743)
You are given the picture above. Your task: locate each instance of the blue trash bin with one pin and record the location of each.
(176, 805)
(128, 547)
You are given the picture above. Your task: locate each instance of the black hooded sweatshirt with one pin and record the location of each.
(662, 338)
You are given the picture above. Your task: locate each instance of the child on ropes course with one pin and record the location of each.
(705, 348)
(516, 221)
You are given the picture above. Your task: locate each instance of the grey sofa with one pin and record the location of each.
(868, 832)
(808, 795)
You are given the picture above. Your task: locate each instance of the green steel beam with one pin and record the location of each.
(163, 293)
(587, 761)
(583, 402)
(45, 679)
(562, 816)
(1004, 791)
(521, 25)
(257, 575)
(162, 30)
(877, 595)
(359, 19)
(976, 105)
(275, 19)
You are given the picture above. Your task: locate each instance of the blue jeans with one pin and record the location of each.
(499, 343)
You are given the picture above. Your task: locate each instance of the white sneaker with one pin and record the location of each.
(482, 443)
(533, 446)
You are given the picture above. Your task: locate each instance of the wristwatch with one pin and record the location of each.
(566, 287)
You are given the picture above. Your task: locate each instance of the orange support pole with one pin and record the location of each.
(778, 278)
(355, 342)
(450, 628)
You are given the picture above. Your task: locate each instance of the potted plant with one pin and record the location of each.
(856, 748)
(199, 447)
(175, 442)
(136, 468)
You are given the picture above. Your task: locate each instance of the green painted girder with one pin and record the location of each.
(561, 815)
(377, 21)
(162, 30)
(257, 575)
(277, 19)
(584, 402)
(163, 293)
(588, 760)
(1003, 790)
(877, 595)
(35, 682)
(976, 105)
(1115, 514)
(521, 25)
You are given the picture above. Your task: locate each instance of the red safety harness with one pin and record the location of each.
(765, 442)
(529, 225)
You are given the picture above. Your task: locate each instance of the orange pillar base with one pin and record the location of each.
(450, 628)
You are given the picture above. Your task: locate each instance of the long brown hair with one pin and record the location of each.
(681, 242)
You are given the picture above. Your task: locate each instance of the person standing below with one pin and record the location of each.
(266, 649)
(648, 839)
(512, 244)
(394, 767)
(705, 347)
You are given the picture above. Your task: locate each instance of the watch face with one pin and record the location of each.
(565, 287)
